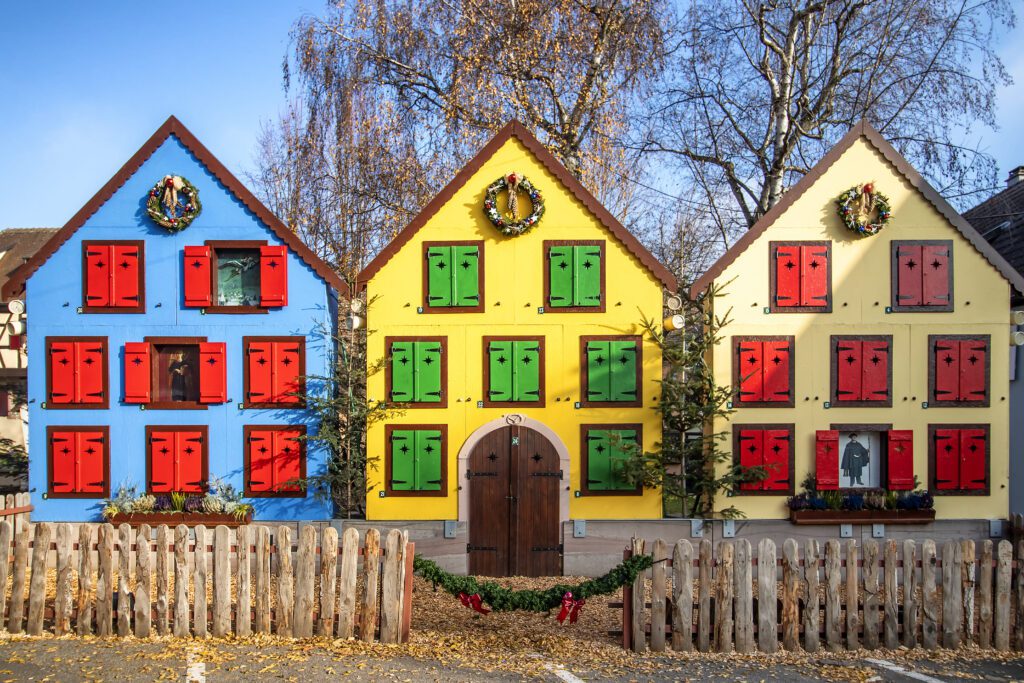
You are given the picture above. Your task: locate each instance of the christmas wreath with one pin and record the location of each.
(856, 205)
(513, 183)
(173, 203)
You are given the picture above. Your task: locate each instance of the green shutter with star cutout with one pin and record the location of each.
(560, 276)
(501, 364)
(620, 441)
(623, 356)
(465, 272)
(599, 476)
(428, 460)
(587, 275)
(526, 380)
(403, 372)
(403, 460)
(428, 371)
(598, 371)
(439, 276)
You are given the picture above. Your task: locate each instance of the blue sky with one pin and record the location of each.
(85, 84)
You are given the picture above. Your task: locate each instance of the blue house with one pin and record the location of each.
(173, 323)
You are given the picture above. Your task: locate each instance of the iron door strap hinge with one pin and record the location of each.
(547, 474)
(471, 548)
(547, 548)
(470, 474)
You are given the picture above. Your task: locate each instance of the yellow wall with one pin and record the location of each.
(861, 292)
(514, 277)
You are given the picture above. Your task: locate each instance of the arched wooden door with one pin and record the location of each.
(513, 505)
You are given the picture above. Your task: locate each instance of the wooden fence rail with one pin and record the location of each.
(137, 582)
(851, 596)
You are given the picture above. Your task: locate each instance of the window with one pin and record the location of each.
(453, 277)
(769, 447)
(611, 371)
(417, 371)
(113, 279)
(79, 464)
(417, 461)
(959, 457)
(275, 461)
(76, 374)
(800, 277)
(236, 276)
(175, 372)
(863, 457)
(763, 369)
(177, 459)
(574, 276)
(862, 370)
(514, 371)
(274, 372)
(606, 448)
(922, 275)
(958, 370)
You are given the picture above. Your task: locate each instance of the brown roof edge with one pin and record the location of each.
(520, 132)
(865, 129)
(172, 126)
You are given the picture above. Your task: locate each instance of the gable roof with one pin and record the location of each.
(17, 246)
(519, 131)
(172, 126)
(865, 130)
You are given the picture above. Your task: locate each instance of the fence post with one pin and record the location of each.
(347, 586)
(767, 610)
(910, 582)
(391, 592)
(658, 595)
(930, 605)
(952, 605)
(724, 598)
(262, 579)
(371, 582)
(833, 572)
(682, 596)
(872, 591)
(328, 581)
(162, 580)
(83, 619)
(812, 608)
(1002, 611)
(124, 577)
(892, 623)
(985, 596)
(62, 597)
(704, 597)
(305, 577)
(1018, 634)
(967, 581)
(638, 639)
(6, 533)
(221, 581)
(200, 571)
(143, 582)
(407, 575)
(181, 626)
(285, 586)
(790, 595)
(37, 586)
(744, 596)
(105, 580)
(852, 588)
(243, 612)
(16, 611)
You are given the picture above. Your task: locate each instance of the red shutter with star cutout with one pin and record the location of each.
(261, 461)
(849, 370)
(189, 467)
(787, 276)
(197, 267)
(973, 451)
(124, 276)
(162, 461)
(287, 461)
(91, 447)
(826, 459)
(273, 276)
(776, 361)
(63, 362)
(97, 275)
(136, 372)
(751, 375)
(946, 358)
(973, 370)
(776, 459)
(900, 460)
(751, 455)
(814, 275)
(908, 275)
(286, 379)
(260, 360)
(935, 275)
(63, 447)
(91, 373)
(875, 368)
(213, 376)
(947, 459)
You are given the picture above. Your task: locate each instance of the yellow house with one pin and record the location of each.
(515, 362)
(874, 362)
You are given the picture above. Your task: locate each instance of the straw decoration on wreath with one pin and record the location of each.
(512, 225)
(173, 203)
(857, 205)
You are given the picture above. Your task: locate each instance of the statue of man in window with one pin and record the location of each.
(181, 377)
(855, 458)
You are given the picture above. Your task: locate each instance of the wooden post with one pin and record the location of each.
(37, 587)
(181, 580)
(163, 580)
(1001, 634)
(952, 605)
(1018, 633)
(704, 597)
(872, 594)
(682, 596)
(744, 593)
(638, 639)
(659, 594)
(305, 577)
(285, 585)
(347, 585)
(83, 618)
(243, 613)
(812, 608)
(62, 597)
(105, 580)
(6, 534)
(391, 591)
(833, 574)
(930, 600)
(852, 589)
(892, 614)
(143, 582)
(910, 582)
(371, 581)
(985, 596)
(16, 611)
(767, 600)
(262, 579)
(328, 581)
(221, 581)
(124, 577)
(200, 571)
(724, 598)
(967, 581)
(790, 595)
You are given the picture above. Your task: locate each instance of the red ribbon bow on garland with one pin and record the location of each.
(474, 601)
(570, 608)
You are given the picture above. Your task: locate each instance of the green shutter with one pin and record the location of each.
(428, 371)
(403, 457)
(403, 370)
(428, 460)
(501, 360)
(598, 372)
(526, 384)
(587, 271)
(619, 442)
(598, 461)
(465, 272)
(560, 276)
(623, 370)
(439, 276)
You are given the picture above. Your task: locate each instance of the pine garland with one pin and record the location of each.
(502, 599)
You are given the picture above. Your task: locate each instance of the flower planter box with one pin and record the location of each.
(861, 516)
(175, 518)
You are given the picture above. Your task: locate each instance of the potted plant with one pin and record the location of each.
(220, 504)
(853, 507)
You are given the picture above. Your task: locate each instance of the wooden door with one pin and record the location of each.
(513, 505)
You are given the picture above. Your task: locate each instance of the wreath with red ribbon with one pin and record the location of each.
(856, 205)
(173, 203)
(513, 183)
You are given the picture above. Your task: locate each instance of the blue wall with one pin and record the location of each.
(54, 294)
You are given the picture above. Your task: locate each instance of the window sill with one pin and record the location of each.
(175, 405)
(174, 518)
(808, 517)
(110, 309)
(235, 310)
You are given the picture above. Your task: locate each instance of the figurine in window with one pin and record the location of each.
(855, 459)
(181, 376)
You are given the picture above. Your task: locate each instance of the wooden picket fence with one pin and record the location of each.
(158, 581)
(15, 507)
(947, 597)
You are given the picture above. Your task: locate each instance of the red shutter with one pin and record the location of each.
(946, 357)
(908, 275)
(776, 362)
(287, 461)
(162, 459)
(273, 276)
(189, 469)
(286, 372)
(751, 365)
(91, 458)
(136, 372)
(935, 275)
(260, 366)
(849, 374)
(751, 455)
(213, 376)
(124, 271)
(261, 461)
(947, 459)
(875, 364)
(972, 459)
(97, 275)
(62, 373)
(826, 459)
(776, 459)
(91, 373)
(814, 275)
(787, 276)
(63, 457)
(198, 283)
(901, 460)
(973, 370)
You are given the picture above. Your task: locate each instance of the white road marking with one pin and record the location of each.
(902, 671)
(195, 671)
(561, 672)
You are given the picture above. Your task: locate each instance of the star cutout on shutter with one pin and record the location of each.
(587, 264)
(211, 361)
(286, 361)
(776, 448)
(911, 264)
(440, 265)
(623, 359)
(527, 360)
(502, 360)
(136, 361)
(261, 361)
(936, 264)
(88, 361)
(124, 264)
(63, 361)
(600, 448)
(189, 450)
(752, 449)
(272, 263)
(972, 360)
(563, 265)
(164, 451)
(263, 449)
(789, 265)
(404, 449)
(465, 265)
(972, 448)
(287, 449)
(814, 265)
(429, 449)
(65, 450)
(428, 360)
(875, 360)
(197, 264)
(90, 450)
(850, 360)
(100, 264)
(751, 361)
(403, 360)
(948, 360)
(776, 360)
(948, 448)
(599, 360)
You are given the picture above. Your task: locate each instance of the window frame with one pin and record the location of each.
(882, 428)
(546, 246)
(541, 378)
(940, 403)
(153, 368)
(894, 274)
(932, 488)
(773, 307)
(584, 372)
(479, 308)
(443, 403)
(833, 371)
(790, 428)
(585, 457)
(105, 430)
(736, 372)
(302, 371)
(440, 493)
(204, 454)
(105, 404)
(246, 463)
(141, 307)
(214, 245)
